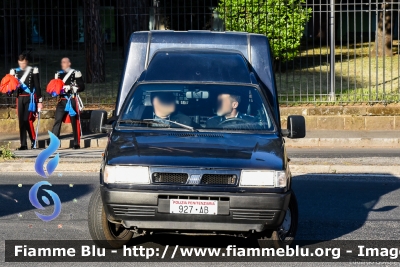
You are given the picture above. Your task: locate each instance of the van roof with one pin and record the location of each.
(253, 47)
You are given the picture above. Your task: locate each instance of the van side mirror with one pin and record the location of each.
(107, 128)
(98, 119)
(296, 127)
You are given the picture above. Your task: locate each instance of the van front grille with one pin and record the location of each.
(173, 178)
(217, 198)
(219, 179)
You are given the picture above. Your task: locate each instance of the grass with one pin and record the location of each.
(359, 77)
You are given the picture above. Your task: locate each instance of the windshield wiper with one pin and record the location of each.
(162, 121)
(134, 121)
(166, 122)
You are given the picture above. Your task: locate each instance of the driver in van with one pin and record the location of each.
(164, 105)
(228, 110)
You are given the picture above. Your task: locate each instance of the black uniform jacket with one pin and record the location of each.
(32, 81)
(74, 78)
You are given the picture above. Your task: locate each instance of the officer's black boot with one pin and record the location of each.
(22, 148)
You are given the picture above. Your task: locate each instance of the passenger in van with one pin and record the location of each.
(164, 107)
(228, 105)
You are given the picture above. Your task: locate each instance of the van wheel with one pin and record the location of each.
(105, 234)
(286, 232)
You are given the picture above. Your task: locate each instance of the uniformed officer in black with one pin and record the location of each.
(29, 99)
(73, 83)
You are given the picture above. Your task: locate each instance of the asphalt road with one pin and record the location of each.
(330, 207)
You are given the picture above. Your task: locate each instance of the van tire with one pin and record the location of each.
(105, 234)
(286, 232)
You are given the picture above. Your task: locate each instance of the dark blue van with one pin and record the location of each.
(195, 143)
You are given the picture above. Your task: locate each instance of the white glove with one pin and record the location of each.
(75, 89)
(66, 88)
(40, 106)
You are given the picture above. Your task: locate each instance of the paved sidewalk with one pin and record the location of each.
(347, 139)
(322, 138)
(88, 140)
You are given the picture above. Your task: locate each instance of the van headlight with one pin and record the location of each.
(263, 178)
(126, 175)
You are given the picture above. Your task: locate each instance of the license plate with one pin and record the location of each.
(189, 206)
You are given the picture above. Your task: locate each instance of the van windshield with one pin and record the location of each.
(197, 107)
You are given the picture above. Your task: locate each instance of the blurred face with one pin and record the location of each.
(23, 64)
(164, 106)
(226, 105)
(65, 63)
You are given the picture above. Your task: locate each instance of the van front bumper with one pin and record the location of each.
(237, 212)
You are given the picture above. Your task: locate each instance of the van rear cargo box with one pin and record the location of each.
(254, 47)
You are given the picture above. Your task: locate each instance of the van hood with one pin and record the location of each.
(198, 150)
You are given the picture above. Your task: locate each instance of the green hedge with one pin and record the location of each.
(282, 21)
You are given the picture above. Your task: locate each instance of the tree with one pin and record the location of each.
(94, 47)
(282, 21)
(384, 38)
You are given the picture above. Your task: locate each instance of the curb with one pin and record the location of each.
(61, 167)
(64, 143)
(295, 169)
(294, 143)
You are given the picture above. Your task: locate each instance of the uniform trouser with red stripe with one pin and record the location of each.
(24, 118)
(75, 122)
